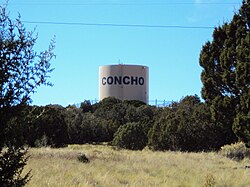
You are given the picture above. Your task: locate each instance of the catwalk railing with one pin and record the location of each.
(156, 102)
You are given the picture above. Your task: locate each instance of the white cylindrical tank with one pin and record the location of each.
(125, 82)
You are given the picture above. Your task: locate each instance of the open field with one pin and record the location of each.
(112, 168)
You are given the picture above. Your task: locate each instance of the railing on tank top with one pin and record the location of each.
(156, 102)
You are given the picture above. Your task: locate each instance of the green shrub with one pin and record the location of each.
(42, 142)
(130, 136)
(187, 126)
(237, 151)
(82, 158)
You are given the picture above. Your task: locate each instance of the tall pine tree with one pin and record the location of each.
(226, 74)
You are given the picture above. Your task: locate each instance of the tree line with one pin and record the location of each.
(186, 125)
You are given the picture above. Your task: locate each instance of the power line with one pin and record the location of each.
(130, 4)
(119, 25)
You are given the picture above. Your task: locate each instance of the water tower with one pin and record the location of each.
(124, 82)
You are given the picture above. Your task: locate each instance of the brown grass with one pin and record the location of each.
(112, 168)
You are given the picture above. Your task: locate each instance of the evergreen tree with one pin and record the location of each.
(130, 136)
(226, 74)
(186, 126)
(22, 70)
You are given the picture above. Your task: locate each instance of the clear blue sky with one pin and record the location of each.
(172, 54)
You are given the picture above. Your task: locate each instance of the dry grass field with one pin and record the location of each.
(113, 168)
